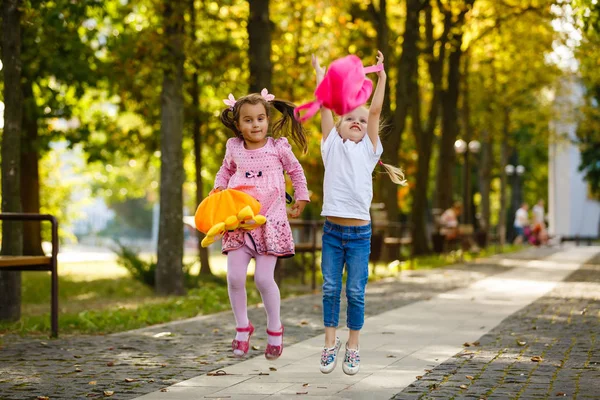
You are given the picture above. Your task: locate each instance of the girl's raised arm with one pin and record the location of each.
(326, 114)
(376, 104)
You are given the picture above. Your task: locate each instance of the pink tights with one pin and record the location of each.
(237, 269)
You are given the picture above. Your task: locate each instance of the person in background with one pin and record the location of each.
(521, 222)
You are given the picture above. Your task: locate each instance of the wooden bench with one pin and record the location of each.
(37, 263)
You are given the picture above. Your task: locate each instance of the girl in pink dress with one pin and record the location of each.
(255, 164)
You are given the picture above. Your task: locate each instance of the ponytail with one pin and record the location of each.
(395, 174)
(289, 124)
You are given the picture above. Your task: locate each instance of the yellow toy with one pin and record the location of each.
(227, 210)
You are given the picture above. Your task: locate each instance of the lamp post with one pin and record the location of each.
(464, 148)
(514, 173)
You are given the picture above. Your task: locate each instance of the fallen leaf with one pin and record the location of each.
(419, 377)
(391, 356)
(537, 359)
(521, 343)
(130, 380)
(272, 369)
(469, 377)
(92, 382)
(428, 370)
(463, 386)
(255, 347)
(584, 311)
(44, 343)
(216, 330)
(78, 370)
(111, 348)
(77, 356)
(163, 389)
(163, 365)
(218, 372)
(563, 394)
(43, 398)
(150, 380)
(305, 385)
(304, 322)
(110, 364)
(108, 393)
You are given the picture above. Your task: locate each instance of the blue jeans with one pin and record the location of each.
(349, 245)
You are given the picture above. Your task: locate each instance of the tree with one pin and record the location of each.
(450, 97)
(259, 51)
(169, 272)
(197, 136)
(12, 235)
(588, 130)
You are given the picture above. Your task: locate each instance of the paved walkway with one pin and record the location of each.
(417, 326)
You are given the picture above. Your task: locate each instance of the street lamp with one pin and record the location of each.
(464, 148)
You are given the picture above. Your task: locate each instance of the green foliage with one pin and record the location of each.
(144, 271)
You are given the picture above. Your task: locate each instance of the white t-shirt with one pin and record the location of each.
(348, 181)
(538, 214)
(521, 218)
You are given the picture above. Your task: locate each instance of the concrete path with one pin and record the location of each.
(398, 347)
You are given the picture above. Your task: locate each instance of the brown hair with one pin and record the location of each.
(287, 125)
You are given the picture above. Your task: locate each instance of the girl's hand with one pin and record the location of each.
(216, 190)
(380, 57)
(297, 208)
(318, 69)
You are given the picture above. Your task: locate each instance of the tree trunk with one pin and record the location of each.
(424, 138)
(30, 176)
(197, 134)
(259, 52)
(405, 83)
(12, 232)
(390, 137)
(450, 96)
(485, 179)
(420, 242)
(169, 272)
(503, 161)
(447, 156)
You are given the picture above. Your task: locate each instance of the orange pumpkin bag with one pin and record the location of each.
(227, 210)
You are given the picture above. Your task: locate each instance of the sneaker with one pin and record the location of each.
(329, 357)
(351, 361)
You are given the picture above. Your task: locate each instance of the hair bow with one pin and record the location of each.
(266, 95)
(230, 101)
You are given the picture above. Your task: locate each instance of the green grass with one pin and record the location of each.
(103, 299)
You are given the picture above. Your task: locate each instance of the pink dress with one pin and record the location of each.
(260, 173)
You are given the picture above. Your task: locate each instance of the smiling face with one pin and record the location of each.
(353, 126)
(253, 123)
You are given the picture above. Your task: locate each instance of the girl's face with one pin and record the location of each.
(254, 125)
(353, 125)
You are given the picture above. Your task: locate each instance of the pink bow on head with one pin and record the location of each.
(266, 95)
(230, 101)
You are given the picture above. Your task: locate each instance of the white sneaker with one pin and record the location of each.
(329, 357)
(351, 363)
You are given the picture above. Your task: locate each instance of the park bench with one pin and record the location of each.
(37, 263)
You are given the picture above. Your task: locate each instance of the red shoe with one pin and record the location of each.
(273, 352)
(240, 347)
